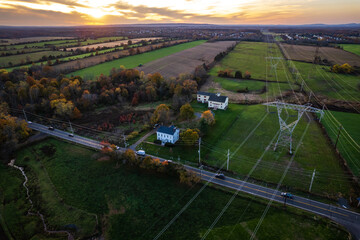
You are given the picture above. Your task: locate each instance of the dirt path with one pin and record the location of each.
(133, 147)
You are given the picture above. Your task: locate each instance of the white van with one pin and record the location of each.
(140, 153)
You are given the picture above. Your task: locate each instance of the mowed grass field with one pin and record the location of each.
(133, 61)
(234, 125)
(135, 204)
(253, 57)
(348, 146)
(354, 48)
(334, 86)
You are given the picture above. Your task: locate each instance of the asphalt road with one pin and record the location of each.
(349, 219)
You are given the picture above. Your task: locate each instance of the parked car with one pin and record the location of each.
(140, 153)
(220, 175)
(156, 125)
(117, 147)
(287, 195)
(29, 122)
(51, 128)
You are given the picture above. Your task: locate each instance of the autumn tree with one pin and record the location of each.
(208, 117)
(161, 114)
(186, 112)
(190, 136)
(129, 155)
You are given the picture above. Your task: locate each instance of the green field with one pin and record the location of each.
(252, 57)
(354, 48)
(334, 86)
(234, 125)
(72, 57)
(42, 44)
(36, 56)
(133, 61)
(348, 146)
(134, 204)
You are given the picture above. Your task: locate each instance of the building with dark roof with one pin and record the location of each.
(168, 134)
(214, 101)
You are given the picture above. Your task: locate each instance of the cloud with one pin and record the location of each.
(78, 12)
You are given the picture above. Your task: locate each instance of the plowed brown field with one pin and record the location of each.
(307, 53)
(186, 61)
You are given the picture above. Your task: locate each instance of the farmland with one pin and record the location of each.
(185, 61)
(30, 39)
(354, 48)
(111, 44)
(231, 128)
(252, 57)
(331, 85)
(142, 200)
(332, 55)
(29, 57)
(348, 145)
(133, 61)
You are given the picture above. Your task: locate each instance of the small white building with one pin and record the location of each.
(168, 134)
(214, 101)
(203, 96)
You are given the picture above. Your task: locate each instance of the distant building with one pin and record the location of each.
(168, 134)
(214, 101)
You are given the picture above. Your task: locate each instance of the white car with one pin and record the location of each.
(140, 153)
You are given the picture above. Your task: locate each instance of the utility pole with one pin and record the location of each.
(199, 151)
(201, 168)
(322, 113)
(228, 160)
(337, 139)
(25, 115)
(312, 179)
(302, 85)
(310, 97)
(124, 138)
(72, 131)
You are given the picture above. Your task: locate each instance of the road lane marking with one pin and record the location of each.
(258, 190)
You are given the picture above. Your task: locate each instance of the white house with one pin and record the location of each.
(203, 96)
(218, 102)
(168, 134)
(214, 101)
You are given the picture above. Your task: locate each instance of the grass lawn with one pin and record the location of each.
(234, 125)
(142, 201)
(134, 61)
(253, 86)
(354, 48)
(334, 86)
(348, 149)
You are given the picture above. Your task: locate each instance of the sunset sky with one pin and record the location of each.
(87, 12)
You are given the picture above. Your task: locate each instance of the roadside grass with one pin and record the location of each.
(354, 48)
(235, 124)
(334, 86)
(133, 61)
(347, 148)
(146, 201)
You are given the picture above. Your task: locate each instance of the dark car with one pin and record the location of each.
(51, 128)
(287, 195)
(220, 175)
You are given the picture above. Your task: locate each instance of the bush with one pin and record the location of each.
(157, 141)
(238, 74)
(169, 144)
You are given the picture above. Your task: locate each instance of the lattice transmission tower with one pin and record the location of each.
(286, 130)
